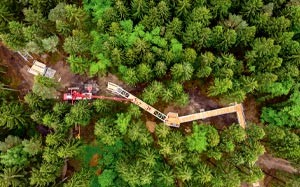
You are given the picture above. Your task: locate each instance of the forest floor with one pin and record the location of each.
(20, 79)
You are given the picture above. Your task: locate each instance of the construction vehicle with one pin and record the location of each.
(171, 119)
(75, 95)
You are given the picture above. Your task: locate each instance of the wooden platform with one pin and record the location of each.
(237, 108)
(172, 118)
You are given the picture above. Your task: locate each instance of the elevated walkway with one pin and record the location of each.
(172, 119)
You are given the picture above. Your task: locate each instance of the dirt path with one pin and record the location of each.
(268, 162)
(17, 70)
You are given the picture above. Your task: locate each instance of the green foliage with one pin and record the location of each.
(80, 113)
(14, 156)
(123, 122)
(233, 48)
(77, 43)
(283, 142)
(103, 131)
(78, 64)
(182, 72)
(45, 174)
(45, 87)
(32, 146)
(286, 115)
(220, 86)
(68, 150)
(197, 141)
(12, 177)
(50, 44)
(80, 179)
(106, 178)
(13, 115)
(10, 141)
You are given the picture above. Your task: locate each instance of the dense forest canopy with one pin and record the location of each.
(234, 49)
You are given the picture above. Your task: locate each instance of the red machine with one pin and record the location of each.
(76, 95)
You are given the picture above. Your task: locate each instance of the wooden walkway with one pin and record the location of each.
(237, 108)
(172, 119)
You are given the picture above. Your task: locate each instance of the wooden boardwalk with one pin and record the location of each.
(172, 119)
(237, 108)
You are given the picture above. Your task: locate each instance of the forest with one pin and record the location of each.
(231, 50)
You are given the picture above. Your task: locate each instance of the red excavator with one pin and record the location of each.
(87, 94)
(75, 95)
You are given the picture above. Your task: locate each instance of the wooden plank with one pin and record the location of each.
(240, 115)
(207, 114)
(238, 109)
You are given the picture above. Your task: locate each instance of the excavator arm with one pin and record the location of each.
(120, 91)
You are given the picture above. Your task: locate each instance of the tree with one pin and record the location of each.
(50, 44)
(283, 142)
(139, 8)
(45, 87)
(220, 86)
(80, 114)
(203, 174)
(160, 68)
(76, 15)
(12, 177)
(122, 122)
(144, 72)
(32, 146)
(183, 8)
(122, 9)
(105, 133)
(10, 141)
(197, 141)
(251, 8)
(5, 17)
(148, 157)
(284, 115)
(107, 177)
(198, 35)
(222, 39)
(68, 150)
(173, 28)
(220, 8)
(80, 179)
(202, 15)
(130, 76)
(78, 43)
(45, 174)
(14, 156)
(178, 156)
(182, 72)
(13, 115)
(184, 173)
(166, 176)
(15, 39)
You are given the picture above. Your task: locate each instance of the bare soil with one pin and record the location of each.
(94, 160)
(150, 126)
(17, 73)
(267, 162)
